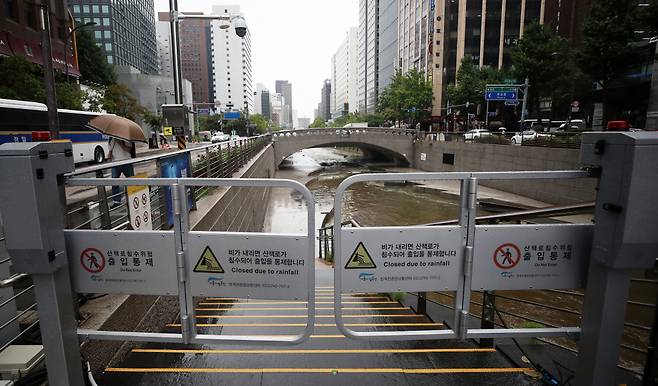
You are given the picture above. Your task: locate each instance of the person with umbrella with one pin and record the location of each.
(123, 134)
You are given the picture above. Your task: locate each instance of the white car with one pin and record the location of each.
(528, 135)
(219, 137)
(475, 134)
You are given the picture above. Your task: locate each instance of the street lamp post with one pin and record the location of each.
(66, 45)
(175, 19)
(48, 71)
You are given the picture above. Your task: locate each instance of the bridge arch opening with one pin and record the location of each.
(371, 153)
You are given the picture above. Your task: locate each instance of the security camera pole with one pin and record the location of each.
(175, 19)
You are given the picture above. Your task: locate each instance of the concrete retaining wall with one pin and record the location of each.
(479, 157)
(238, 209)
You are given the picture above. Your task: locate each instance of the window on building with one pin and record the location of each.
(108, 47)
(110, 59)
(106, 21)
(85, 9)
(108, 34)
(95, 9)
(105, 9)
(98, 34)
(31, 16)
(76, 9)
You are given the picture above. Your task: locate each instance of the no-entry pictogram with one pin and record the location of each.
(92, 260)
(507, 256)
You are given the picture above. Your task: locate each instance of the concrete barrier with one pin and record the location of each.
(480, 157)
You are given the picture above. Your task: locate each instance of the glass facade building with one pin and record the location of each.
(124, 29)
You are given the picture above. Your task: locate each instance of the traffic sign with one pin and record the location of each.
(510, 103)
(169, 131)
(123, 262)
(515, 257)
(501, 95)
(401, 259)
(248, 265)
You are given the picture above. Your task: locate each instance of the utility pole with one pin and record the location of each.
(48, 72)
(524, 109)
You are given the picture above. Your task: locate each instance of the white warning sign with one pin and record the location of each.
(139, 206)
(122, 262)
(515, 257)
(249, 265)
(401, 259)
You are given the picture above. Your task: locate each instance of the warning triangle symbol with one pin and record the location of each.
(360, 259)
(208, 263)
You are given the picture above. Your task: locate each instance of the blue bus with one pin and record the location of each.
(22, 121)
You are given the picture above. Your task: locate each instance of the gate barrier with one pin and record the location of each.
(454, 258)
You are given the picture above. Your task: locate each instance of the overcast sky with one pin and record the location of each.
(290, 40)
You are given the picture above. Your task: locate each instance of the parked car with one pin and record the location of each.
(573, 125)
(219, 137)
(476, 133)
(528, 135)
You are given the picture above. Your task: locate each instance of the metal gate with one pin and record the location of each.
(458, 258)
(187, 264)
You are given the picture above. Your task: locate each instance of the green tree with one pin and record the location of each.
(260, 122)
(471, 82)
(606, 48)
(92, 61)
(26, 84)
(408, 97)
(118, 100)
(210, 123)
(318, 123)
(546, 60)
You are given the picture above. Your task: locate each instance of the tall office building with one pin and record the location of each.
(484, 30)
(388, 42)
(232, 71)
(344, 92)
(368, 55)
(196, 56)
(324, 108)
(284, 88)
(277, 103)
(415, 21)
(124, 29)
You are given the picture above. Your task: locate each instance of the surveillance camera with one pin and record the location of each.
(240, 26)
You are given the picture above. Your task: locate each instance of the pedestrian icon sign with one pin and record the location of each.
(507, 256)
(208, 263)
(360, 259)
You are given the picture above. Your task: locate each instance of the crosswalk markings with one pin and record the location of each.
(290, 302)
(385, 370)
(305, 316)
(316, 325)
(302, 308)
(317, 351)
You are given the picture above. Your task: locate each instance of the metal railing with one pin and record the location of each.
(103, 208)
(333, 131)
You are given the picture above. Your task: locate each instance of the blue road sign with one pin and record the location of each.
(231, 115)
(501, 95)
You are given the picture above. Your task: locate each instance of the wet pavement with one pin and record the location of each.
(327, 358)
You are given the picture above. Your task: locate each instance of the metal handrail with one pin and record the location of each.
(131, 161)
(14, 279)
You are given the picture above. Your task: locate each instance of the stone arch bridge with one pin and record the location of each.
(392, 142)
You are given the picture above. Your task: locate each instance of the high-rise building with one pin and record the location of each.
(303, 123)
(484, 30)
(344, 91)
(368, 55)
(196, 56)
(125, 30)
(415, 21)
(388, 43)
(284, 88)
(278, 103)
(232, 71)
(324, 109)
(20, 33)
